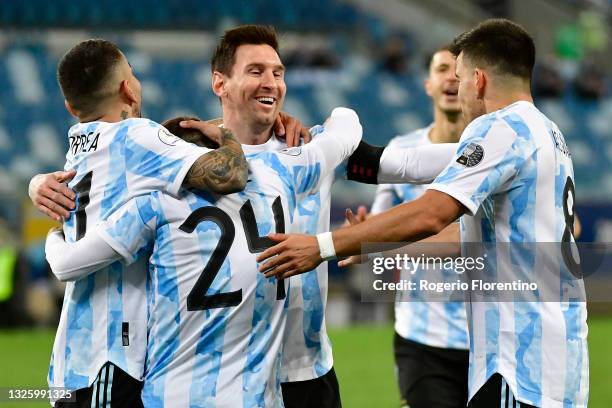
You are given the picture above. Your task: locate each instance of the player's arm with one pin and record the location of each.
(391, 164)
(486, 160)
(71, 261)
(409, 222)
(125, 235)
(221, 171)
(337, 139)
(447, 242)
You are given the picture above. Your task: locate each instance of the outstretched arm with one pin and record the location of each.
(409, 222)
(391, 164)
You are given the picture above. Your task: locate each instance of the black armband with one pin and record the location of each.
(363, 164)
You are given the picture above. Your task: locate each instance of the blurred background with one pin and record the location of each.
(370, 56)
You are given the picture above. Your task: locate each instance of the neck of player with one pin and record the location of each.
(246, 131)
(498, 96)
(447, 127)
(111, 114)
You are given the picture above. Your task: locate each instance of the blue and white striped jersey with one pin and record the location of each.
(215, 323)
(104, 314)
(514, 174)
(436, 324)
(307, 351)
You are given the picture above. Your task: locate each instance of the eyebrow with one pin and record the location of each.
(261, 65)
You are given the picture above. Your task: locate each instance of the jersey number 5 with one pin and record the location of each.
(197, 298)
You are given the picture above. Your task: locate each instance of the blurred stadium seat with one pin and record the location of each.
(33, 121)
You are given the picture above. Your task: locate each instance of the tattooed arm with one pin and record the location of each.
(221, 171)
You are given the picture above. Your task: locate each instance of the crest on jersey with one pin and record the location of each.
(292, 151)
(471, 155)
(166, 137)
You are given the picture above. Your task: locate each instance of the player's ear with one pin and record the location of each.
(218, 83)
(480, 79)
(70, 109)
(127, 92)
(427, 86)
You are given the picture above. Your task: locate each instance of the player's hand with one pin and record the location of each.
(352, 219)
(294, 254)
(209, 130)
(51, 195)
(291, 129)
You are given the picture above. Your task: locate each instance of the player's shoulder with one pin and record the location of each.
(414, 138)
(524, 120)
(493, 124)
(141, 125)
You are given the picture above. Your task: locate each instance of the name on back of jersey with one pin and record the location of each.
(560, 143)
(84, 143)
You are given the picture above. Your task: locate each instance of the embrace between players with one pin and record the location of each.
(185, 319)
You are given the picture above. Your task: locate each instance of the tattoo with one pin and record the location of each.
(221, 171)
(124, 115)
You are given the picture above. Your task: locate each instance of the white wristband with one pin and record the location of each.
(326, 246)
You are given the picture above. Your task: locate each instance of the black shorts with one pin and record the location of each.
(112, 388)
(322, 392)
(431, 377)
(496, 393)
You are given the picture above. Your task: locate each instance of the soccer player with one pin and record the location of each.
(431, 339)
(215, 325)
(100, 346)
(248, 78)
(513, 178)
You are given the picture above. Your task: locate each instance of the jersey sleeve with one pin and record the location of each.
(489, 155)
(418, 165)
(385, 198)
(159, 159)
(131, 229)
(332, 143)
(70, 261)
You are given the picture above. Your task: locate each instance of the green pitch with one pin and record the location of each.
(363, 361)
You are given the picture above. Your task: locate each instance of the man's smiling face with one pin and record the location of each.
(256, 87)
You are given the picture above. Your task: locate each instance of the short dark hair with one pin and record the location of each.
(430, 56)
(83, 73)
(499, 44)
(224, 56)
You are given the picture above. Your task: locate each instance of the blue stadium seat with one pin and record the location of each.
(387, 103)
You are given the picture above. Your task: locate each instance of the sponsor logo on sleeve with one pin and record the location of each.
(471, 155)
(166, 137)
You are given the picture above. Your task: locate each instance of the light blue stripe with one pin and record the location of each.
(528, 355)
(492, 335)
